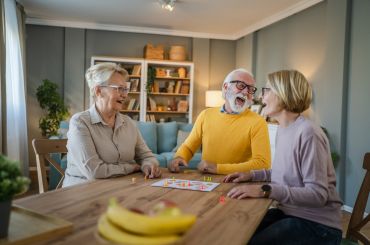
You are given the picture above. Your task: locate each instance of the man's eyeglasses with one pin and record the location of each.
(119, 89)
(242, 85)
(265, 90)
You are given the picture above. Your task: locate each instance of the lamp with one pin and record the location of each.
(214, 98)
(167, 4)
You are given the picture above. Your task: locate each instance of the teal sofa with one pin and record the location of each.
(162, 139)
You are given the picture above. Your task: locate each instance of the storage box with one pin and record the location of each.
(151, 52)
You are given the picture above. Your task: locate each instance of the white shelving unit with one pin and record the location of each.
(163, 99)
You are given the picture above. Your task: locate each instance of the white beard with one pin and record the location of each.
(231, 97)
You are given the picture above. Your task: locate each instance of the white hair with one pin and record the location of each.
(101, 73)
(229, 77)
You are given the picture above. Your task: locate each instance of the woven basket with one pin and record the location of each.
(177, 53)
(151, 52)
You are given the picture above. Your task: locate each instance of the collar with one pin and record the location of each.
(223, 110)
(96, 118)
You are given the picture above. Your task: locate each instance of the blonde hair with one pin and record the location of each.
(101, 73)
(292, 89)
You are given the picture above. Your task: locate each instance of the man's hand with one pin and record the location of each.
(152, 171)
(137, 167)
(175, 164)
(238, 177)
(244, 191)
(207, 167)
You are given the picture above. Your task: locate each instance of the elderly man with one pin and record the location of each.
(233, 138)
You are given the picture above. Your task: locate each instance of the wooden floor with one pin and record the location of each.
(346, 217)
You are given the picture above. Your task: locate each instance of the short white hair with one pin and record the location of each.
(101, 73)
(229, 77)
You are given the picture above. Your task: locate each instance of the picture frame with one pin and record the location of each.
(182, 106)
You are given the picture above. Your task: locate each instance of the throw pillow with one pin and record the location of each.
(181, 137)
(148, 131)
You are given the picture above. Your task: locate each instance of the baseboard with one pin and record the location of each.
(350, 209)
(347, 208)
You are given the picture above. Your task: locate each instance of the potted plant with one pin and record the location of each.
(50, 100)
(11, 182)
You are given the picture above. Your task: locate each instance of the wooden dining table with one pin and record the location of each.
(218, 222)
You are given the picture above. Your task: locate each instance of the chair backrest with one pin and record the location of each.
(357, 220)
(43, 148)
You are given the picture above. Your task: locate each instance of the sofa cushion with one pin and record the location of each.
(149, 132)
(162, 160)
(185, 126)
(166, 136)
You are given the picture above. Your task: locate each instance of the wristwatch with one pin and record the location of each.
(266, 189)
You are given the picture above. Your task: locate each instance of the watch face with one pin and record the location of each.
(266, 188)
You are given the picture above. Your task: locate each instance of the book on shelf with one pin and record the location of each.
(135, 117)
(150, 118)
(137, 106)
(185, 87)
(131, 104)
(170, 87)
(152, 104)
(136, 70)
(134, 84)
(182, 106)
(178, 86)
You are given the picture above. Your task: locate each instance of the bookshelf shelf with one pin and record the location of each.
(168, 94)
(168, 112)
(131, 111)
(172, 78)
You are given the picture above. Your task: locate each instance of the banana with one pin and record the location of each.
(148, 225)
(117, 235)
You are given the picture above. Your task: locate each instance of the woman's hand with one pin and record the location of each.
(152, 171)
(238, 177)
(244, 191)
(207, 167)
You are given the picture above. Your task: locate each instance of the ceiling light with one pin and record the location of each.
(168, 4)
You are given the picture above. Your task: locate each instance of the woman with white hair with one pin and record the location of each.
(302, 178)
(102, 142)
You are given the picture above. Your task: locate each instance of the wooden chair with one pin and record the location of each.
(357, 220)
(43, 148)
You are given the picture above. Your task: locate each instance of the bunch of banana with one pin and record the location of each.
(124, 226)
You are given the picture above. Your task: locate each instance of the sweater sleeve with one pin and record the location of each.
(261, 156)
(81, 149)
(193, 141)
(313, 153)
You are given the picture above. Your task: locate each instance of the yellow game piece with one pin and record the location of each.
(133, 180)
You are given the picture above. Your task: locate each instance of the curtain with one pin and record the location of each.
(16, 111)
(2, 81)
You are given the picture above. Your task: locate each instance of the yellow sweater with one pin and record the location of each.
(235, 142)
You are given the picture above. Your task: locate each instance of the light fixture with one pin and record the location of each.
(168, 4)
(214, 98)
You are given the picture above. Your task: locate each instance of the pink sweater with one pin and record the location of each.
(302, 175)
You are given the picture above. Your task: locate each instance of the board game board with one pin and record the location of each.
(193, 185)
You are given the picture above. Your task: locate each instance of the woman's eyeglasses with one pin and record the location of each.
(265, 90)
(119, 89)
(242, 85)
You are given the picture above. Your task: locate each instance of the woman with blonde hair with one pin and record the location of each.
(102, 142)
(302, 178)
